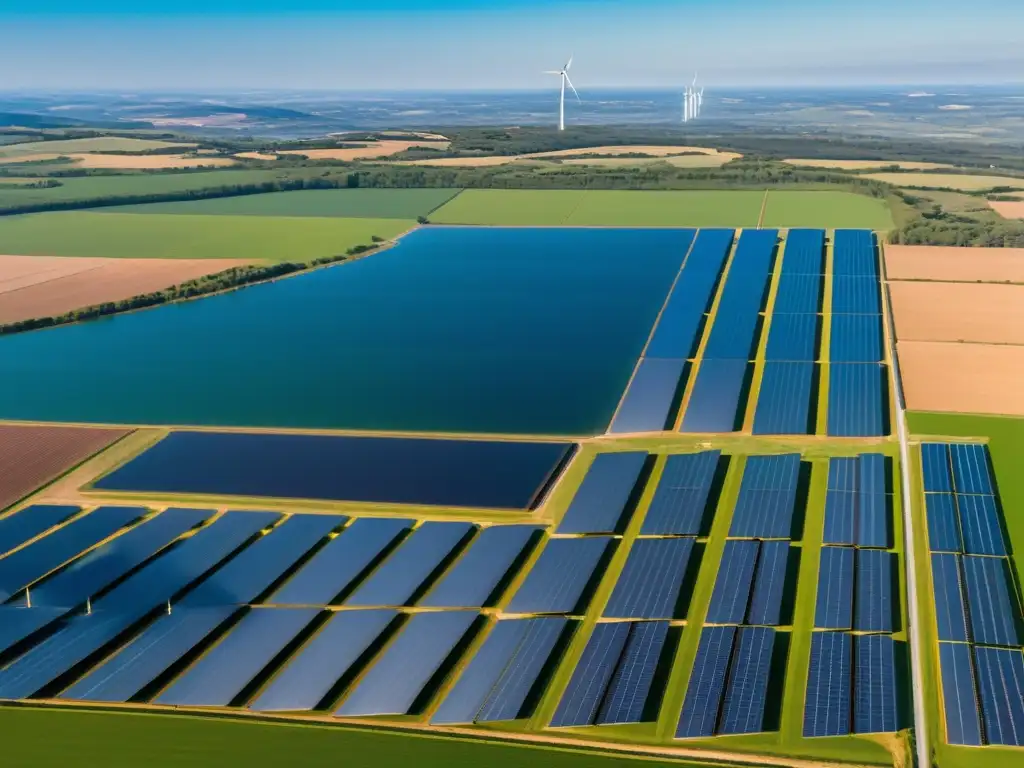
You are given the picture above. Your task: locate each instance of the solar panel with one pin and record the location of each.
(582, 698)
(398, 676)
(970, 468)
(874, 600)
(650, 583)
(306, 680)
(1001, 684)
(467, 696)
(793, 336)
(600, 503)
(943, 524)
(18, 623)
(747, 691)
(559, 578)
(855, 295)
(856, 339)
(149, 655)
(676, 334)
(840, 517)
(991, 604)
(402, 574)
(769, 584)
(648, 404)
(827, 704)
(874, 517)
(736, 336)
(767, 498)
(507, 700)
(731, 596)
(936, 467)
(842, 474)
(805, 252)
(959, 700)
(680, 503)
(707, 682)
(874, 685)
(630, 688)
(797, 294)
(715, 401)
(979, 521)
(854, 252)
(784, 405)
(19, 569)
(18, 528)
(779, 472)
(834, 609)
(339, 564)
(950, 609)
(857, 400)
(473, 580)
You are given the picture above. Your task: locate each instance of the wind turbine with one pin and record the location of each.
(564, 74)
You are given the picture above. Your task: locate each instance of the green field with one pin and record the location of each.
(39, 737)
(826, 209)
(97, 144)
(77, 233)
(355, 203)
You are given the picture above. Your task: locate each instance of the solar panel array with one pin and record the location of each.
(768, 497)
(858, 388)
(683, 502)
(962, 510)
(717, 401)
(858, 502)
(651, 582)
(751, 583)
(857, 589)
(601, 501)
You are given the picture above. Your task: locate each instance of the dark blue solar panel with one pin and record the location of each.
(258, 566)
(779, 472)
(827, 704)
(874, 598)
(797, 294)
(747, 692)
(767, 497)
(18, 623)
(731, 597)
(793, 337)
(840, 517)
(557, 581)
(734, 335)
(21, 568)
(943, 525)
(582, 698)
(959, 697)
(649, 585)
(874, 685)
(398, 677)
(648, 405)
(979, 521)
(467, 696)
(316, 668)
(339, 564)
(473, 579)
(18, 528)
(991, 603)
(785, 400)
(1001, 684)
(842, 474)
(714, 404)
(855, 295)
(149, 655)
(856, 339)
(397, 580)
(857, 400)
(769, 584)
(223, 672)
(707, 683)
(804, 253)
(601, 500)
(507, 700)
(630, 688)
(950, 610)
(109, 562)
(834, 608)
(936, 467)
(970, 468)
(680, 503)
(874, 518)
(854, 253)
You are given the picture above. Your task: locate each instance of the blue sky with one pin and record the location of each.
(466, 44)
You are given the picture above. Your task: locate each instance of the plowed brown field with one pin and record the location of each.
(31, 456)
(974, 312)
(962, 378)
(1008, 209)
(45, 286)
(951, 264)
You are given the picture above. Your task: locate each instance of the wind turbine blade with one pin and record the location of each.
(573, 89)
(568, 64)
(551, 72)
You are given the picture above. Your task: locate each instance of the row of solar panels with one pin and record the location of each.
(963, 468)
(982, 694)
(976, 600)
(857, 589)
(858, 502)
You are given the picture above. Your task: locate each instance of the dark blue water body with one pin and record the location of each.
(460, 473)
(528, 331)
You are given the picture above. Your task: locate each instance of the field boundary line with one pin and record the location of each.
(764, 206)
(439, 206)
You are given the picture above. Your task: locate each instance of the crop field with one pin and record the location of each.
(146, 162)
(351, 203)
(825, 209)
(97, 144)
(954, 265)
(140, 236)
(368, 151)
(1008, 209)
(962, 378)
(947, 180)
(49, 286)
(867, 165)
(967, 312)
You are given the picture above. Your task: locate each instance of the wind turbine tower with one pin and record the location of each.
(692, 101)
(563, 73)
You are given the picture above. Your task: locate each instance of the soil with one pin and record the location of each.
(962, 378)
(968, 265)
(965, 312)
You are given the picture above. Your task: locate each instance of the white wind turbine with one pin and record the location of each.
(564, 74)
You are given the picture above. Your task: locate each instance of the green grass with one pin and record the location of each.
(354, 203)
(827, 209)
(76, 233)
(97, 144)
(622, 208)
(40, 737)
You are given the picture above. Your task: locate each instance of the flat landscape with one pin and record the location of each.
(967, 182)
(951, 264)
(950, 377)
(96, 144)
(1008, 209)
(785, 208)
(866, 165)
(966, 312)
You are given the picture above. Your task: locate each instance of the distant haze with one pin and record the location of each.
(459, 44)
